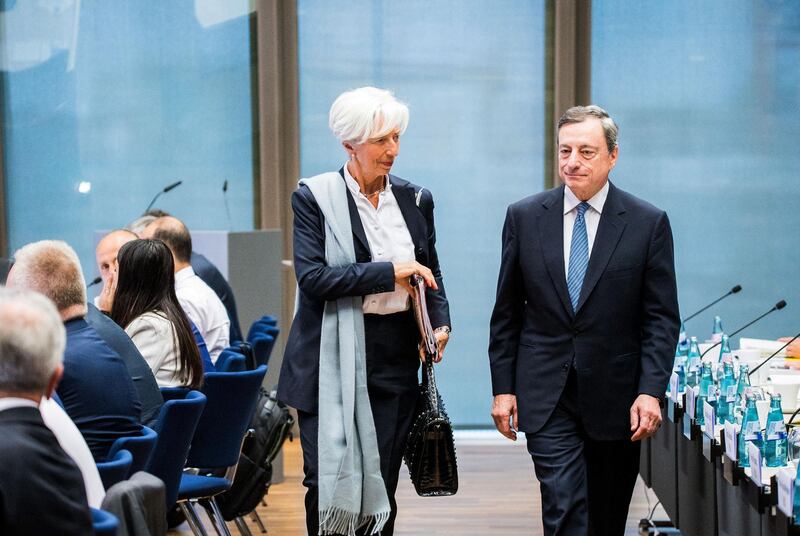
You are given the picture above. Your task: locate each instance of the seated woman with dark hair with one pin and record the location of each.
(145, 306)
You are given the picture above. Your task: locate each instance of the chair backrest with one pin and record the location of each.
(175, 427)
(262, 348)
(116, 468)
(140, 447)
(261, 327)
(237, 363)
(227, 353)
(232, 398)
(104, 523)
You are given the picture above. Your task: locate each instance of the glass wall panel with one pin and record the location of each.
(105, 103)
(473, 75)
(706, 96)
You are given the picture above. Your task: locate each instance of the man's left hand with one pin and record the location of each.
(645, 417)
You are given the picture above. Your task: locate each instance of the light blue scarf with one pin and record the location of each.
(352, 493)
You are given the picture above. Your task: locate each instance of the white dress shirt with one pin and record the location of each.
(154, 337)
(70, 439)
(205, 309)
(389, 240)
(591, 217)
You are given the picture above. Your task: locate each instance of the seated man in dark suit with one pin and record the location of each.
(97, 390)
(143, 378)
(41, 488)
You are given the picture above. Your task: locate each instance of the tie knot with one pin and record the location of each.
(582, 207)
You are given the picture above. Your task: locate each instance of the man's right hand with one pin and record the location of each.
(504, 413)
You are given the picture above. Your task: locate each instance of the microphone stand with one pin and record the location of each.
(777, 307)
(734, 290)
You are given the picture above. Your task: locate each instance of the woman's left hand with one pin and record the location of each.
(442, 337)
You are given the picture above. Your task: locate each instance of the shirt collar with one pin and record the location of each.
(353, 186)
(597, 201)
(183, 275)
(11, 402)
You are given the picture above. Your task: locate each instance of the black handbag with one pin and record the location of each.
(430, 451)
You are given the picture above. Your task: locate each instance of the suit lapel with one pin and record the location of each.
(355, 219)
(609, 232)
(415, 221)
(551, 236)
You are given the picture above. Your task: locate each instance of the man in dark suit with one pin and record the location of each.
(41, 488)
(143, 378)
(97, 390)
(584, 330)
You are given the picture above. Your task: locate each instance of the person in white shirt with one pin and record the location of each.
(41, 489)
(201, 304)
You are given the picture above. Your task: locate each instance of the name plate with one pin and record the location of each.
(755, 463)
(731, 447)
(709, 421)
(691, 403)
(785, 479)
(673, 387)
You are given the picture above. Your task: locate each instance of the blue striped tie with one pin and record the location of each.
(578, 256)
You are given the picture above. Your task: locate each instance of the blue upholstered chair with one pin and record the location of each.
(262, 348)
(234, 363)
(238, 358)
(175, 427)
(104, 523)
(116, 468)
(140, 447)
(232, 398)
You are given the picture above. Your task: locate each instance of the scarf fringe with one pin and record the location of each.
(337, 521)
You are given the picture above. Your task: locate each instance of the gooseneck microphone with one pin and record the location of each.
(777, 307)
(734, 290)
(165, 190)
(95, 281)
(779, 350)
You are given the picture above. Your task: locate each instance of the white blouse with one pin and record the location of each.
(154, 336)
(389, 240)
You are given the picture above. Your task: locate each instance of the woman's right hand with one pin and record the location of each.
(106, 299)
(404, 270)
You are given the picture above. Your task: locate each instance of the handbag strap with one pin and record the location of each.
(428, 342)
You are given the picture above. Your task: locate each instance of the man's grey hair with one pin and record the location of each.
(366, 113)
(52, 268)
(138, 225)
(32, 340)
(577, 114)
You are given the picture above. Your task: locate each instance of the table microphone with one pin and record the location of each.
(779, 350)
(734, 290)
(777, 307)
(165, 190)
(95, 281)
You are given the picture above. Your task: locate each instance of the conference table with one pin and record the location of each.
(703, 491)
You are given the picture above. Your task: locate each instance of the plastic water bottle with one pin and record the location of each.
(716, 332)
(776, 445)
(751, 432)
(727, 394)
(725, 354)
(683, 341)
(693, 366)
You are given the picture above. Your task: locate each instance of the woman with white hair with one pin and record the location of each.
(351, 362)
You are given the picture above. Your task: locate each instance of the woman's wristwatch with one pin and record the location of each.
(442, 329)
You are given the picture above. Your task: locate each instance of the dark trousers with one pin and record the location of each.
(586, 485)
(392, 380)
